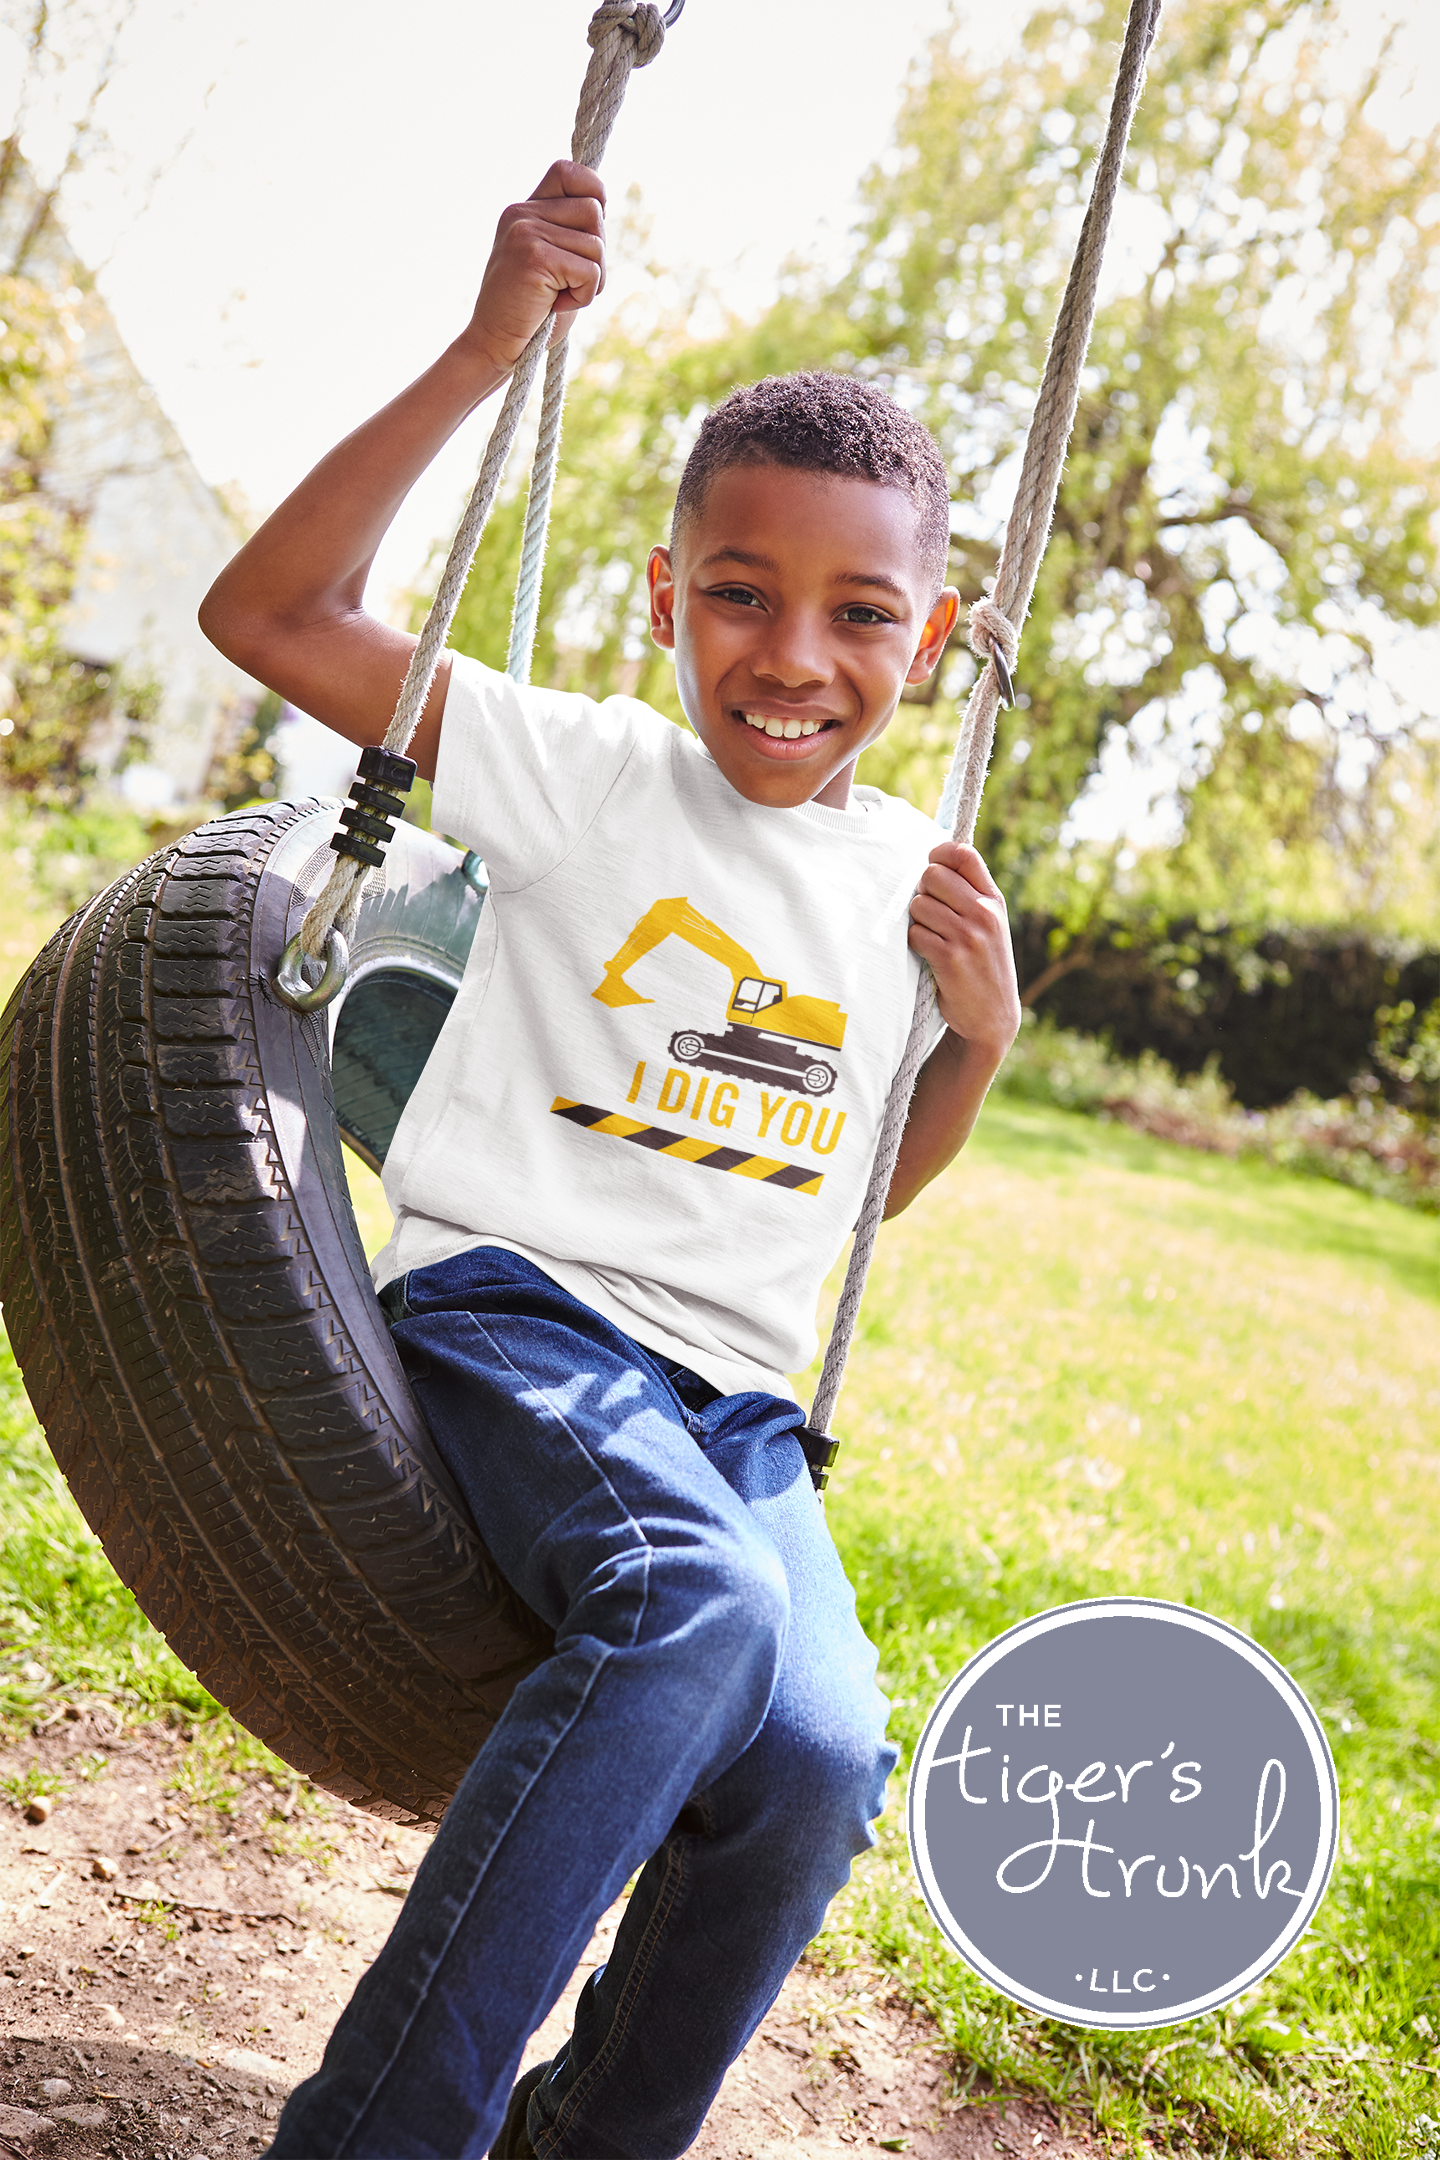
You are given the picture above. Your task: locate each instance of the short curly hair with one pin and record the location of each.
(823, 423)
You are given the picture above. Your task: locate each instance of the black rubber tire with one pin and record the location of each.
(187, 1297)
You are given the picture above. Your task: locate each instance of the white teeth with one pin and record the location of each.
(789, 729)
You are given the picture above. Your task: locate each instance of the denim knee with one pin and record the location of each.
(721, 1606)
(831, 1765)
(849, 1766)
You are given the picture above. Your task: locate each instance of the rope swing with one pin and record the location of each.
(626, 34)
(994, 628)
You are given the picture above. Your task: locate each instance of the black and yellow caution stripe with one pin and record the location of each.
(793, 1177)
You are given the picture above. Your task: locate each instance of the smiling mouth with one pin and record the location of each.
(780, 730)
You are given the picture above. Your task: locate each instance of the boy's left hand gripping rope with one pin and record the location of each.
(623, 35)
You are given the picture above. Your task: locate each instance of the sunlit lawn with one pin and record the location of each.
(1203, 1379)
(1091, 1362)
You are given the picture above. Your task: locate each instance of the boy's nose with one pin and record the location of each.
(792, 655)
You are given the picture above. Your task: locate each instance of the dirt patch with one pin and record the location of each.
(844, 2064)
(170, 1968)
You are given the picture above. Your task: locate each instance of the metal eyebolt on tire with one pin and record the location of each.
(292, 978)
(187, 1296)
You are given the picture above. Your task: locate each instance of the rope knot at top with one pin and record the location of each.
(990, 630)
(623, 35)
(639, 18)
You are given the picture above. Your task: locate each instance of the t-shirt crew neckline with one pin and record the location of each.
(854, 819)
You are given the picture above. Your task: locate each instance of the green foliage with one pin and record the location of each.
(69, 717)
(56, 860)
(1234, 495)
(1357, 1140)
(1238, 529)
(38, 540)
(1408, 1048)
(246, 768)
(206, 1775)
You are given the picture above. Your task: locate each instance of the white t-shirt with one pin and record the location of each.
(663, 1074)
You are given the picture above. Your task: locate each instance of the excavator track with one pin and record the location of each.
(747, 1054)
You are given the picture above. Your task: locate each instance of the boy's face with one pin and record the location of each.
(797, 608)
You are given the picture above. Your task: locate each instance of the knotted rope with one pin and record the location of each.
(623, 35)
(996, 623)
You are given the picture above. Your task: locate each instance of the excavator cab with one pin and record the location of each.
(769, 1035)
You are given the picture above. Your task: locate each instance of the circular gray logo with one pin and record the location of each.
(1123, 1812)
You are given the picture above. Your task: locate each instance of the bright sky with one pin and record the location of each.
(332, 177)
(322, 234)
(331, 182)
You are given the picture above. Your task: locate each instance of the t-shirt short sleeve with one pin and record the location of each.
(522, 772)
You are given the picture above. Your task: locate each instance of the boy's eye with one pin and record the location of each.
(862, 612)
(739, 593)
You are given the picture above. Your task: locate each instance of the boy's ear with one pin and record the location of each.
(660, 576)
(938, 625)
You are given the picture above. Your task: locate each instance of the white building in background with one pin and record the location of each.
(155, 540)
(156, 535)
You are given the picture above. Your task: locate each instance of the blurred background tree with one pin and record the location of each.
(62, 716)
(1243, 539)
(81, 706)
(58, 711)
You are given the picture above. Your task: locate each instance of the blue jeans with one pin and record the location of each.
(709, 1716)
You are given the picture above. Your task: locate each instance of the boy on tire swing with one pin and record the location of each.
(598, 1332)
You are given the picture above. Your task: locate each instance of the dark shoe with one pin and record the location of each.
(513, 2142)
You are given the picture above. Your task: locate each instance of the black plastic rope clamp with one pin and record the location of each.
(819, 1451)
(378, 795)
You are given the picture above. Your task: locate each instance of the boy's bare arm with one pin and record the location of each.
(290, 607)
(958, 924)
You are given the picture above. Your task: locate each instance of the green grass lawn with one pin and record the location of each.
(1089, 1362)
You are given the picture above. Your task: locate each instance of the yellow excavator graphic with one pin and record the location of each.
(771, 1036)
